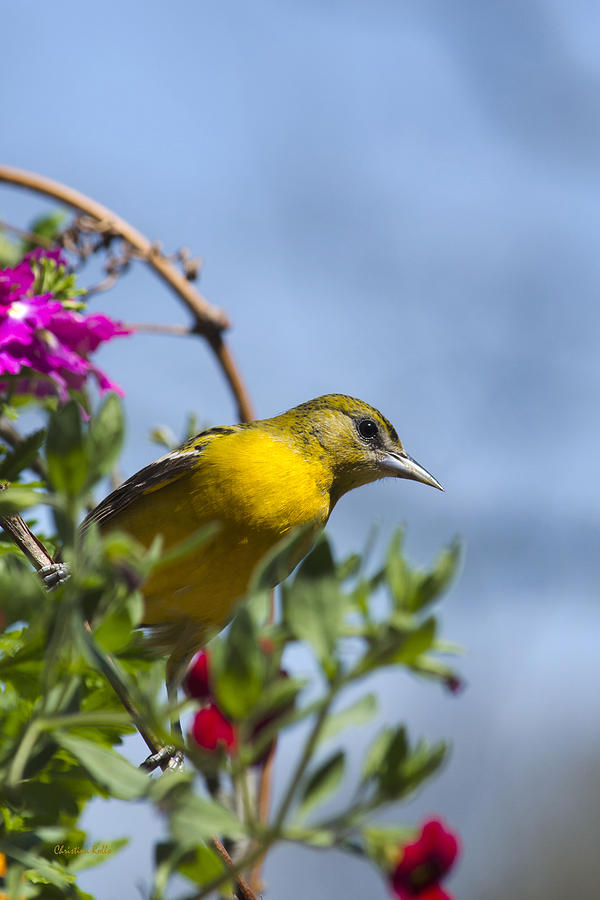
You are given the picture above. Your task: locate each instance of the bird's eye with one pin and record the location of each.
(367, 428)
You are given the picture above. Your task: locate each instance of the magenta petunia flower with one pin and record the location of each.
(45, 343)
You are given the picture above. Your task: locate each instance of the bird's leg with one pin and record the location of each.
(169, 757)
(54, 574)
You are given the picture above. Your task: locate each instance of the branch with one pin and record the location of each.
(208, 321)
(21, 535)
(264, 803)
(30, 236)
(243, 889)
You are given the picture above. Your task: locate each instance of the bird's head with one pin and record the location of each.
(357, 442)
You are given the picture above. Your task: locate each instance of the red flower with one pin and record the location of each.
(422, 865)
(197, 680)
(211, 729)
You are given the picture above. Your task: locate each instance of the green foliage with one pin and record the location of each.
(322, 783)
(26, 451)
(52, 278)
(62, 723)
(13, 250)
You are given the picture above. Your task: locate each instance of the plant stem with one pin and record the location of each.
(243, 889)
(25, 747)
(309, 746)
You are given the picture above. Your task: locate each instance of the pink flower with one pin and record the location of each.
(211, 729)
(45, 343)
(423, 864)
(15, 282)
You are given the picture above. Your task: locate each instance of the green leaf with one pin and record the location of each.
(10, 252)
(65, 450)
(433, 668)
(356, 714)
(415, 642)
(322, 783)
(239, 667)
(97, 853)
(283, 558)
(22, 455)
(166, 558)
(423, 762)
(387, 752)
(104, 439)
(349, 567)
(314, 605)
(390, 645)
(394, 769)
(319, 562)
(46, 802)
(430, 586)
(47, 227)
(51, 874)
(313, 837)
(108, 768)
(201, 866)
(397, 573)
(383, 841)
(194, 819)
(14, 499)
(114, 632)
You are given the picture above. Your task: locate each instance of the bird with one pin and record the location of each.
(257, 481)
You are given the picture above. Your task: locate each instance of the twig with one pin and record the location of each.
(30, 236)
(264, 804)
(152, 328)
(21, 535)
(243, 890)
(208, 321)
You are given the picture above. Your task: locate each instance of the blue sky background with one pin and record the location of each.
(400, 202)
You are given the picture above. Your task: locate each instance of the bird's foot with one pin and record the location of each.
(168, 757)
(53, 575)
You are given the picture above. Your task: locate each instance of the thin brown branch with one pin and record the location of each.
(232, 374)
(151, 328)
(30, 236)
(206, 316)
(243, 889)
(264, 808)
(22, 536)
(208, 321)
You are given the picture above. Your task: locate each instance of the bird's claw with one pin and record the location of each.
(168, 757)
(53, 575)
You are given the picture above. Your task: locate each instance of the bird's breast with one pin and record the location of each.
(259, 483)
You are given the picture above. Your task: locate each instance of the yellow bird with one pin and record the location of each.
(258, 481)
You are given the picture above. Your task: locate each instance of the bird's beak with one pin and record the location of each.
(404, 466)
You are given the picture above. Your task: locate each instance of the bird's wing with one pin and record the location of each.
(156, 475)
